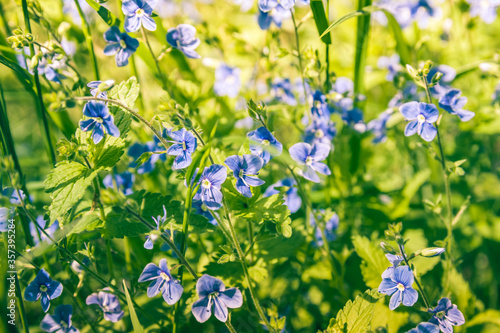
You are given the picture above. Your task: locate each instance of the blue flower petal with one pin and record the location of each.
(201, 311)
(231, 297)
(150, 272)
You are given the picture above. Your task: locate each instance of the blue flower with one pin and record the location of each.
(43, 287)
(138, 12)
(182, 38)
(268, 5)
(330, 226)
(120, 44)
(320, 107)
(392, 64)
(395, 261)
(421, 117)
(137, 149)
(150, 239)
(5, 215)
(399, 285)
(449, 74)
(243, 168)
(42, 223)
(378, 126)
(184, 145)
(213, 296)
(485, 9)
(227, 81)
(109, 304)
(292, 198)
(344, 86)
(425, 328)
(94, 91)
(121, 181)
(162, 280)
(446, 315)
(100, 119)
(320, 131)
(51, 65)
(282, 91)
(264, 144)
(202, 210)
(310, 157)
(276, 15)
(453, 103)
(60, 321)
(211, 181)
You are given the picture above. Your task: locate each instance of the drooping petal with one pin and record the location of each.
(410, 296)
(132, 23)
(310, 174)
(113, 316)
(150, 272)
(321, 168)
(411, 128)
(410, 110)
(155, 287)
(387, 286)
(172, 292)
(455, 316)
(110, 126)
(148, 244)
(253, 181)
(428, 132)
(200, 309)
(111, 49)
(97, 133)
(148, 23)
(87, 125)
(121, 58)
(182, 160)
(465, 115)
(232, 298)
(45, 300)
(48, 324)
(220, 310)
(212, 198)
(243, 188)
(396, 300)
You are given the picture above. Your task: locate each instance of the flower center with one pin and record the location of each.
(401, 287)
(265, 142)
(420, 118)
(440, 314)
(139, 12)
(184, 147)
(164, 276)
(309, 160)
(214, 294)
(206, 183)
(241, 173)
(123, 45)
(43, 288)
(63, 324)
(319, 133)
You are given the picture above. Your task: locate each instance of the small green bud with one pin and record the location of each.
(432, 252)
(388, 248)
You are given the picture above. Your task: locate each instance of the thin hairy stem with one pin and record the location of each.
(424, 297)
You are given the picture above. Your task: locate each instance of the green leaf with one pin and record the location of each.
(104, 13)
(461, 293)
(321, 20)
(110, 153)
(419, 241)
(402, 205)
(402, 46)
(126, 91)
(362, 37)
(373, 262)
(355, 316)
(67, 183)
(392, 320)
(133, 316)
(117, 225)
(489, 316)
(258, 210)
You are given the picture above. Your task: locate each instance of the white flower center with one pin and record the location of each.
(401, 287)
(206, 183)
(164, 276)
(420, 118)
(139, 12)
(309, 160)
(319, 133)
(43, 288)
(265, 142)
(123, 45)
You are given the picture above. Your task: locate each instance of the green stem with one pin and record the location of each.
(22, 312)
(167, 240)
(126, 249)
(38, 90)
(424, 297)
(301, 68)
(449, 209)
(158, 68)
(88, 39)
(242, 260)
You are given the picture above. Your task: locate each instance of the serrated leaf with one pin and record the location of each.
(67, 183)
(126, 91)
(119, 226)
(110, 153)
(373, 262)
(355, 316)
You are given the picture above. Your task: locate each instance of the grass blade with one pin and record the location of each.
(362, 37)
(321, 21)
(104, 13)
(133, 316)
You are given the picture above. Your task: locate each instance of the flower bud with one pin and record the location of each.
(411, 70)
(105, 85)
(388, 248)
(437, 77)
(432, 252)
